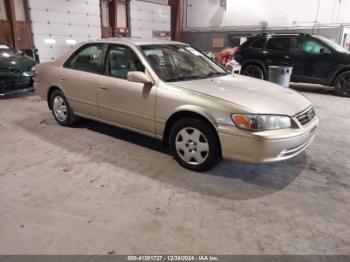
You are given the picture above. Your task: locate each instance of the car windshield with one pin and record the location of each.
(180, 62)
(7, 52)
(332, 44)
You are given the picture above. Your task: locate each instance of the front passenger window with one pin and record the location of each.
(121, 60)
(310, 46)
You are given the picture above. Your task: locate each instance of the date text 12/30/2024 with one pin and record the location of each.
(173, 258)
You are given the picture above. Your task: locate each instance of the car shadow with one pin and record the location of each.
(25, 94)
(310, 88)
(147, 157)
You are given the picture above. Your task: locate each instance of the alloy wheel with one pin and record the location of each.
(344, 85)
(60, 108)
(253, 71)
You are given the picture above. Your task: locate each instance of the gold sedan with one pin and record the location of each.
(170, 91)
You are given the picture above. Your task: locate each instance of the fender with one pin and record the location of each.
(342, 69)
(54, 85)
(195, 109)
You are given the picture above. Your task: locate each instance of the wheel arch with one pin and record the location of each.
(49, 93)
(340, 71)
(255, 62)
(187, 113)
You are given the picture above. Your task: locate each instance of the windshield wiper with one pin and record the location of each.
(214, 73)
(180, 78)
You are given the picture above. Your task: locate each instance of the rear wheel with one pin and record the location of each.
(61, 109)
(342, 84)
(194, 144)
(253, 71)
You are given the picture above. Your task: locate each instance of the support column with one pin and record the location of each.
(10, 7)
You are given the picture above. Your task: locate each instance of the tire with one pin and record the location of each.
(194, 144)
(253, 71)
(61, 109)
(342, 84)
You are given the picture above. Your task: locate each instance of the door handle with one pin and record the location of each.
(103, 88)
(287, 57)
(63, 79)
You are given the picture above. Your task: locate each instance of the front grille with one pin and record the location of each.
(8, 84)
(306, 117)
(20, 70)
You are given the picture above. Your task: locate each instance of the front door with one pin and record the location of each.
(123, 102)
(314, 61)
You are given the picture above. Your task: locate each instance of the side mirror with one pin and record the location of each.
(138, 77)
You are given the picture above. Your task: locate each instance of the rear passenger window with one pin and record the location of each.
(258, 44)
(121, 60)
(279, 44)
(86, 59)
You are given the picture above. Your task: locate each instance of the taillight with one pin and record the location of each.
(237, 54)
(35, 72)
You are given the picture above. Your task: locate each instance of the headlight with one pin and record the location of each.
(261, 122)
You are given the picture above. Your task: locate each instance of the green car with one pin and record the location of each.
(16, 71)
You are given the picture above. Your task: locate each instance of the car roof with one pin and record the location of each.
(264, 35)
(137, 41)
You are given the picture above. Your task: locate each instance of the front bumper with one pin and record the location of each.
(15, 84)
(267, 146)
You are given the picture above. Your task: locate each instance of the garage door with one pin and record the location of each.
(59, 25)
(149, 20)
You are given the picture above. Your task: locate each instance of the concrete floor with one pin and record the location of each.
(94, 189)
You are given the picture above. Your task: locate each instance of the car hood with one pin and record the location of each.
(258, 96)
(17, 62)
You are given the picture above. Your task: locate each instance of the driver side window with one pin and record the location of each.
(310, 46)
(121, 60)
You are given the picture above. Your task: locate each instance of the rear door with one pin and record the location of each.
(78, 78)
(278, 51)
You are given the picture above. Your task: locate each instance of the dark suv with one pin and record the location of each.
(315, 59)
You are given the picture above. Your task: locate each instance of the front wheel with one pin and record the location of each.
(194, 144)
(342, 84)
(253, 71)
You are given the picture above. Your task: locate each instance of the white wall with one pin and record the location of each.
(3, 15)
(19, 9)
(54, 22)
(240, 14)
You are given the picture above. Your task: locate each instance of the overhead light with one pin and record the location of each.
(50, 41)
(71, 42)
